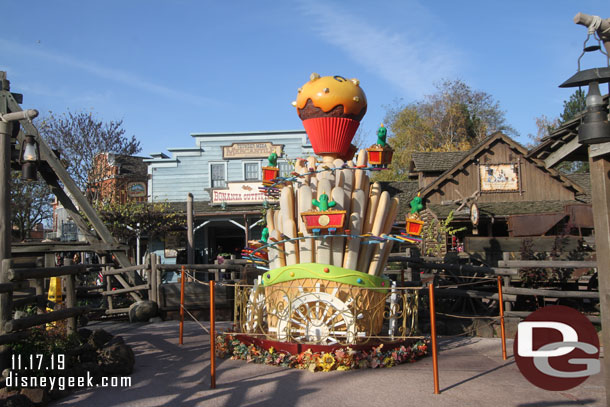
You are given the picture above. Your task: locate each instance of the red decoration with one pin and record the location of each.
(414, 227)
(331, 135)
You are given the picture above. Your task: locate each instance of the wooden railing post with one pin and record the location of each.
(182, 279)
(158, 278)
(152, 275)
(502, 327)
(508, 306)
(70, 302)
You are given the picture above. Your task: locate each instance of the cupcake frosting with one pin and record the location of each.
(328, 92)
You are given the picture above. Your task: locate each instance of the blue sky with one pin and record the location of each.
(172, 68)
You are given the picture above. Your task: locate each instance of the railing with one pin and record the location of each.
(326, 313)
(15, 329)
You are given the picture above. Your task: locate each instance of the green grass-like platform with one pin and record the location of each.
(323, 272)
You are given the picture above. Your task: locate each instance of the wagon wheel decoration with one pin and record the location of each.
(256, 312)
(467, 280)
(320, 318)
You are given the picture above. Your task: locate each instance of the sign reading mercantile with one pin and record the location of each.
(251, 150)
(239, 193)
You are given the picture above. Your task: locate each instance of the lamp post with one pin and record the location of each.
(6, 130)
(594, 130)
(29, 159)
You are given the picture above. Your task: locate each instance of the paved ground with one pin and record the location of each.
(472, 373)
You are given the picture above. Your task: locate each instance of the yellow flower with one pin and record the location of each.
(271, 350)
(326, 362)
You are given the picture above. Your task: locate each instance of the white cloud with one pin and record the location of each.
(99, 71)
(411, 59)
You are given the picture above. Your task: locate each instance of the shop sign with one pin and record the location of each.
(499, 177)
(136, 189)
(251, 150)
(239, 193)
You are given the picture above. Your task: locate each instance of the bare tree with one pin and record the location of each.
(30, 204)
(80, 136)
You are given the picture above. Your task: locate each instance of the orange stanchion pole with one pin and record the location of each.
(181, 306)
(212, 338)
(433, 334)
(502, 328)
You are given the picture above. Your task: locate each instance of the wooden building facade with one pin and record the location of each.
(223, 172)
(512, 192)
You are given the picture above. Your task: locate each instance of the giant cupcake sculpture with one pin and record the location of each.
(326, 241)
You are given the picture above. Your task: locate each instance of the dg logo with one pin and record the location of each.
(557, 348)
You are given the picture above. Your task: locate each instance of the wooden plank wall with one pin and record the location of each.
(537, 184)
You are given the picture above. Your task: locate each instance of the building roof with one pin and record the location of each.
(128, 164)
(562, 144)
(584, 180)
(435, 161)
(405, 191)
(504, 209)
(482, 146)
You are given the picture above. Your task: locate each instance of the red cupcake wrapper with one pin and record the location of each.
(331, 135)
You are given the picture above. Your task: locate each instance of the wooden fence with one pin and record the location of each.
(508, 269)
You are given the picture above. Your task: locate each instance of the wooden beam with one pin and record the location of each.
(550, 293)
(599, 168)
(70, 186)
(40, 247)
(562, 152)
(567, 264)
(127, 290)
(524, 314)
(34, 320)
(514, 244)
(597, 150)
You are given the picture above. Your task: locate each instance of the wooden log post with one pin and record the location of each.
(154, 284)
(508, 306)
(69, 282)
(158, 278)
(109, 288)
(600, 193)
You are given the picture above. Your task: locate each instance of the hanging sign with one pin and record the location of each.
(251, 150)
(136, 189)
(239, 193)
(499, 177)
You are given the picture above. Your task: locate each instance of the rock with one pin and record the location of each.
(116, 358)
(83, 320)
(18, 400)
(20, 314)
(38, 396)
(6, 393)
(86, 353)
(142, 311)
(99, 338)
(84, 334)
(482, 328)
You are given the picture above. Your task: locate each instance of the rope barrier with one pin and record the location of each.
(467, 316)
(464, 284)
(195, 319)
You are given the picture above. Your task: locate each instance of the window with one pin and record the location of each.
(218, 175)
(252, 171)
(285, 169)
